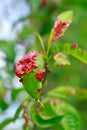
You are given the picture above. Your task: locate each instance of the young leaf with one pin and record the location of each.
(47, 112)
(74, 51)
(66, 16)
(62, 92)
(44, 123)
(66, 92)
(62, 23)
(41, 40)
(61, 59)
(71, 121)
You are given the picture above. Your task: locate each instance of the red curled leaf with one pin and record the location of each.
(62, 23)
(59, 28)
(27, 64)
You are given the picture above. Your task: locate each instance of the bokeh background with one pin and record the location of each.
(19, 20)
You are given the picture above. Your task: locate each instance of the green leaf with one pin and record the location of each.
(31, 84)
(8, 48)
(9, 120)
(71, 121)
(77, 52)
(66, 92)
(34, 4)
(15, 92)
(40, 62)
(25, 32)
(5, 122)
(21, 19)
(44, 123)
(3, 104)
(18, 111)
(2, 90)
(47, 112)
(81, 94)
(61, 92)
(64, 17)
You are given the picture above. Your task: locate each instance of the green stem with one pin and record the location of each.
(40, 103)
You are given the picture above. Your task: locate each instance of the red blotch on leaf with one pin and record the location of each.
(74, 45)
(40, 75)
(39, 89)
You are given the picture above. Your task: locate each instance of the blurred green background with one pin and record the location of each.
(19, 20)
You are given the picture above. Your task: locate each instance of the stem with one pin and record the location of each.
(46, 72)
(25, 115)
(40, 103)
(45, 77)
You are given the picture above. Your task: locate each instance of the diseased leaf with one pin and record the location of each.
(30, 83)
(61, 59)
(76, 52)
(62, 23)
